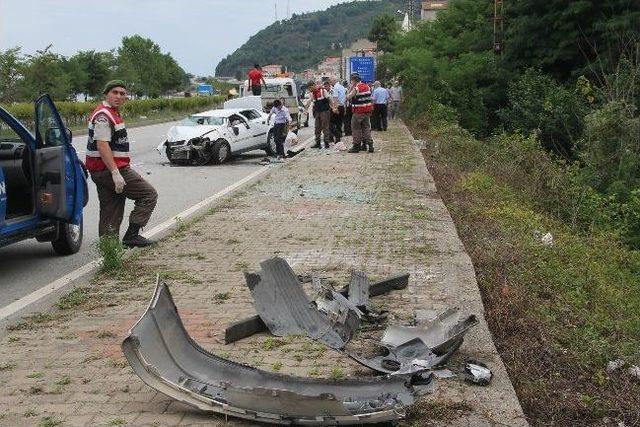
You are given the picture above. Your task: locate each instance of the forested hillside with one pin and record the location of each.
(302, 41)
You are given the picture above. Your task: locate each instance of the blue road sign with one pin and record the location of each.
(365, 66)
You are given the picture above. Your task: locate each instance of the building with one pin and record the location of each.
(272, 70)
(361, 47)
(430, 9)
(330, 66)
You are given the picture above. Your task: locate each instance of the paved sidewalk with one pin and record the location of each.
(324, 213)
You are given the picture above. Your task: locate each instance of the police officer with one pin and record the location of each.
(321, 112)
(361, 107)
(108, 162)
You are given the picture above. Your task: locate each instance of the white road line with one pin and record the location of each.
(23, 302)
(60, 283)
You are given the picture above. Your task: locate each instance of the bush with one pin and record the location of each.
(537, 103)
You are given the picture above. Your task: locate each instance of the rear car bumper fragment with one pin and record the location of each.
(166, 358)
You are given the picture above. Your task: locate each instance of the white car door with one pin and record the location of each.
(242, 133)
(259, 126)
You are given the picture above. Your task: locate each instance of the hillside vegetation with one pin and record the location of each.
(302, 41)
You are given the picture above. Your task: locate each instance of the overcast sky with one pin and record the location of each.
(198, 33)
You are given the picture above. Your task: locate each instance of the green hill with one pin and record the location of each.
(304, 40)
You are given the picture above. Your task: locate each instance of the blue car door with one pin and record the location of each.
(59, 177)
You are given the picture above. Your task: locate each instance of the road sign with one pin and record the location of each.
(365, 66)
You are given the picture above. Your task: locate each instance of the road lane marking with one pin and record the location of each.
(24, 302)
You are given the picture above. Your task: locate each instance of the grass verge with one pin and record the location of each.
(559, 311)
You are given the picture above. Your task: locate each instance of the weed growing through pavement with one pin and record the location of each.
(36, 375)
(49, 422)
(117, 422)
(73, 299)
(277, 366)
(7, 367)
(111, 250)
(336, 374)
(221, 297)
(31, 412)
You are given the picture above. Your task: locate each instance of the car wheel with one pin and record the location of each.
(221, 152)
(271, 149)
(69, 238)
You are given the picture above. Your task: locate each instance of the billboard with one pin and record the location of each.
(365, 66)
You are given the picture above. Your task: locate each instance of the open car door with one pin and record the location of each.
(58, 180)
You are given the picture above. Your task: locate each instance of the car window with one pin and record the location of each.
(48, 132)
(7, 134)
(11, 145)
(250, 114)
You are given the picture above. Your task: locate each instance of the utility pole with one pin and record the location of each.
(275, 7)
(498, 27)
(288, 9)
(410, 9)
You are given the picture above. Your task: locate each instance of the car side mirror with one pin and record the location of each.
(69, 134)
(236, 131)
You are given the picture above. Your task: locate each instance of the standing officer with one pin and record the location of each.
(362, 107)
(108, 162)
(321, 112)
(339, 94)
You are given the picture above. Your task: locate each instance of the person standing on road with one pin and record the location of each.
(396, 98)
(256, 80)
(380, 100)
(362, 106)
(339, 94)
(281, 122)
(347, 111)
(321, 112)
(108, 163)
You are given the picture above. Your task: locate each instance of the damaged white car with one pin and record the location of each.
(217, 135)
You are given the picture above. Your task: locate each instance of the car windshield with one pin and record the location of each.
(202, 120)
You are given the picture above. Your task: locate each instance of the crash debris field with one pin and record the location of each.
(334, 291)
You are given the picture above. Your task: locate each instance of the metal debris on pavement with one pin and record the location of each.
(284, 307)
(476, 372)
(166, 358)
(254, 325)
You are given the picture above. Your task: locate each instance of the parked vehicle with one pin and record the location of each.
(43, 184)
(217, 135)
(282, 88)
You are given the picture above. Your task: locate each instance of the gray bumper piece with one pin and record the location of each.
(282, 304)
(439, 334)
(409, 349)
(254, 325)
(165, 357)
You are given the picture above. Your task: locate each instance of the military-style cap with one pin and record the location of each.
(114, 83)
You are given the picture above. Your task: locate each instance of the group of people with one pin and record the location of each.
(353, 110)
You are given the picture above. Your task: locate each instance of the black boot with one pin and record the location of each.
(317, 144)
(133, 239)
(371, 147)
(354, 149)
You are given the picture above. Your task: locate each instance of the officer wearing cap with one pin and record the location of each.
(108, 163)
(361, 107)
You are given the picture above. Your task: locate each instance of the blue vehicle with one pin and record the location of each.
(43, 184)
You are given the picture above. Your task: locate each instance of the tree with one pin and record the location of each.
(97, 67)
(147, 69)
(383, 31)
(561, 36)
(44, 72)
(10, 64)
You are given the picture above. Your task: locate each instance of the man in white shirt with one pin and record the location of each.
(339, 95)
(380, 101)
(396, 99)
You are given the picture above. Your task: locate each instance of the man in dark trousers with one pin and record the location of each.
(380, 110)
(108, 163)
(256, 80)
(281, 122)
(362, 107)
(321, 99)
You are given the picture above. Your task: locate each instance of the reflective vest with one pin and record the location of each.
(119, 142)
(321, 98)
(362, 103)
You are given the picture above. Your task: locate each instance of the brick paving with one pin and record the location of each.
(326, 214)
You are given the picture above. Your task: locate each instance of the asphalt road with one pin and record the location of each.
(29, 265)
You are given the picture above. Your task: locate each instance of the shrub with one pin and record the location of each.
(537, 103)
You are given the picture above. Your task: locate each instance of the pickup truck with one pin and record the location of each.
(43, 184)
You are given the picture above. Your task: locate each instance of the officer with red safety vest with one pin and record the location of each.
(108, 163)
(361, 107)
(322, 104)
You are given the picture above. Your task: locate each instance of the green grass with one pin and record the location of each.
(73, 299)
(49, 422)
(112, 251)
